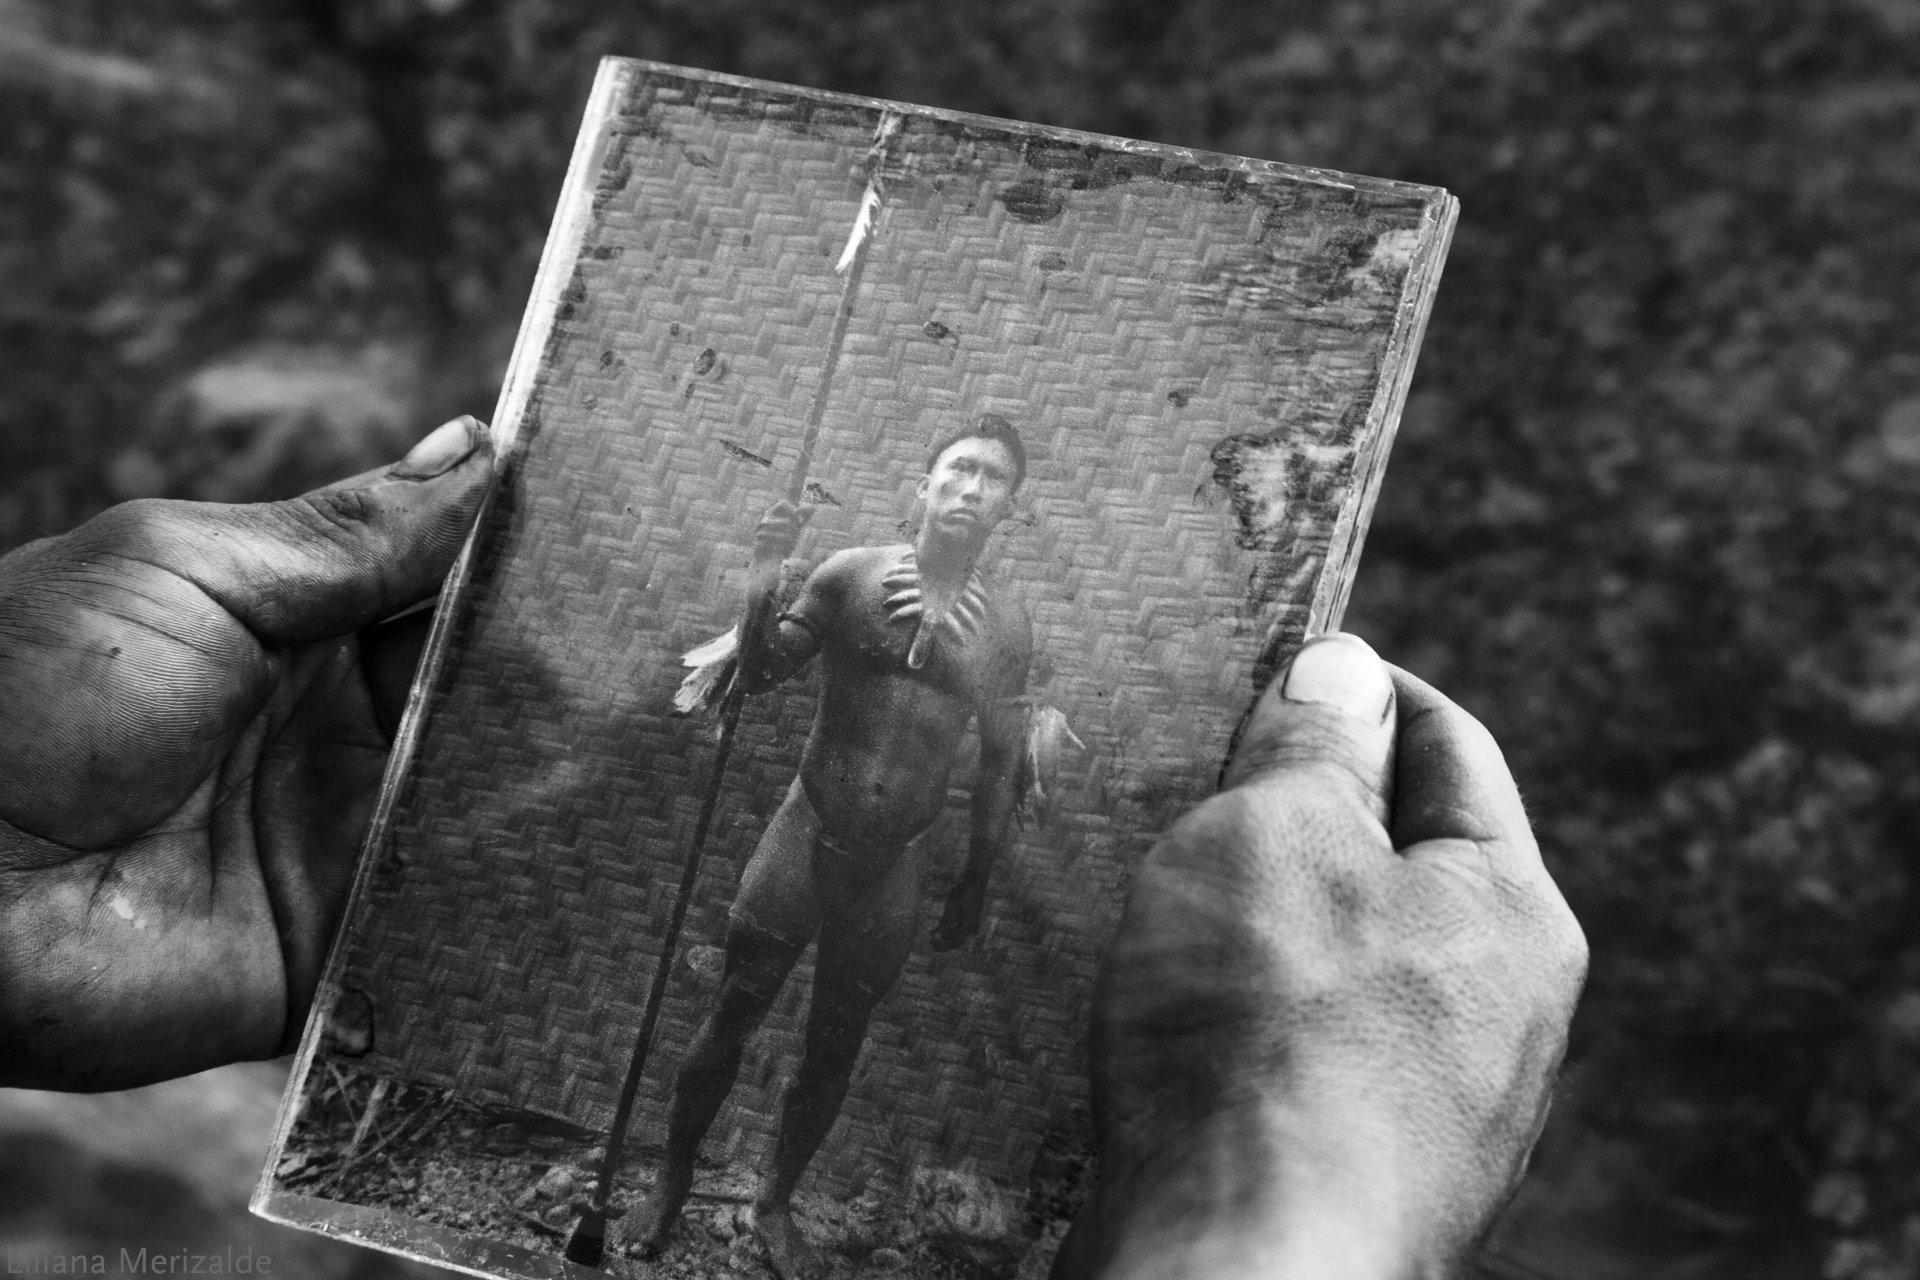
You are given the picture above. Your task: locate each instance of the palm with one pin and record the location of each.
(182, 809)
(189, 758)
(1330, 1016)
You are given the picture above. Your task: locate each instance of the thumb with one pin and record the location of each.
(334, 560)
(1330, 713)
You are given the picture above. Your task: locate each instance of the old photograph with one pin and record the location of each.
(898, 513)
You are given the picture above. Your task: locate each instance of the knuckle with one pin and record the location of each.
(138, 523)
(1312, 796)
(335, 512)
(1315, 751)
(139, 513)
(1484, 981)
(1209, 850)
(1285, 849)
(1548, 944)
(1240, 818)
(344, 521)
(1572, 954)
(1547, 910)
(1500, 932)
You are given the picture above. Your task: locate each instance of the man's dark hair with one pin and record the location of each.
(988, 426)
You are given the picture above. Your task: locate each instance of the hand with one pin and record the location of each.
(960, 920)
(190, 759)
(1328, 1026)
(778, 533)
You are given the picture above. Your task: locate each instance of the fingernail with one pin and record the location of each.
(450, 444)
(1341, 671)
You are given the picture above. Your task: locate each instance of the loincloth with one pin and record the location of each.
(837, 857)
(802, 873)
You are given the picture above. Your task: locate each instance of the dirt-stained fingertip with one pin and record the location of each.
(1333, 706)
(1452, 781)
(1340, 670)
(443, 449)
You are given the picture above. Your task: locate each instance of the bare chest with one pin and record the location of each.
(966, 658)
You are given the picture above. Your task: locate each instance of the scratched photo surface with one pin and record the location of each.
(1199, 357)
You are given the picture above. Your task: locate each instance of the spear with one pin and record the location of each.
(587, 1245)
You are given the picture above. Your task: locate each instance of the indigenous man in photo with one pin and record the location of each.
(913, 645)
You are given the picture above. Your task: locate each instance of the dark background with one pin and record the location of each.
(1652, 514)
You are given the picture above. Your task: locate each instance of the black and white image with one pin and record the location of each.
(897, 513)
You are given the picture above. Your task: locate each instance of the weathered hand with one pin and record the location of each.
(1328, 1026)
(960, 919)
(189, 761)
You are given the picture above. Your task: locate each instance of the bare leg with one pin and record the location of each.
(757, 966)
(773, 907)
(861, 954)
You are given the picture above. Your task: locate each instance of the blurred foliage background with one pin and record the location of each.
(1652, 514)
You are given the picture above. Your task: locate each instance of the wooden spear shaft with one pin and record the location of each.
(587, 1245)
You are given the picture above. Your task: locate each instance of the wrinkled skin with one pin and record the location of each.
(1328, 1027)
(189, 756)
(1325, 1034)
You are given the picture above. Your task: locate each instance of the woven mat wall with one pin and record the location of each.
(510, 935)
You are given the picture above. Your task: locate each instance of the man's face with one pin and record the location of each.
(970, 489)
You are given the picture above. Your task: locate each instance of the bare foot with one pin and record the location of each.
(792, 1257)
(647, 1225)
